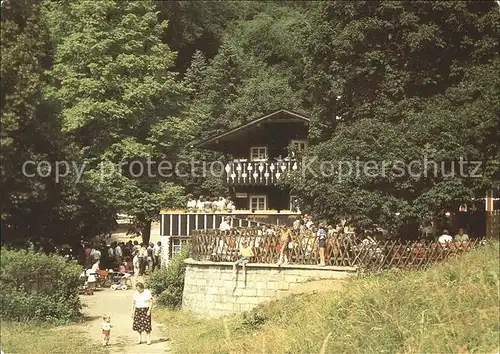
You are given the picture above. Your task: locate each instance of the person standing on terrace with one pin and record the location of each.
(308, 221)
(321, 240)
(285, 239)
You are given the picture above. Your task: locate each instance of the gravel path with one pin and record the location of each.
(117, 304)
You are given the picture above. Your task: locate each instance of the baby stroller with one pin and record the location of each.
(84, 288)
(119, 280)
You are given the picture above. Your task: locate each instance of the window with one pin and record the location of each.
(177, 245)
(258, 202)
(299, 145)
(258, 153)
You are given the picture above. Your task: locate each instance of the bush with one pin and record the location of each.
(252, 321)
(38, 287)
(168, 283)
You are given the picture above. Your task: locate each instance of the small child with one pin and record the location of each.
(321, 234)
(106, 329)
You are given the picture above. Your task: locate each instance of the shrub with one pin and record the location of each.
(168, 283)
(38, 287)
(252, 320)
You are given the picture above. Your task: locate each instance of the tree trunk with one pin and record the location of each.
(146, 231)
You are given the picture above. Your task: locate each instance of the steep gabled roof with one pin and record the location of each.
(279, 115)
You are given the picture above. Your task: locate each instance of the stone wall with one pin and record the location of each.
(211, 291)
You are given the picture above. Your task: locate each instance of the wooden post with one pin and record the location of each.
(493, 224)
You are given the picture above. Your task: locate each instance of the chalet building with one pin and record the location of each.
(258, 154)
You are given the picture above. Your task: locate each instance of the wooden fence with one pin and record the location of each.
(347, 250)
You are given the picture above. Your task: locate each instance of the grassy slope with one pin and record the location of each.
(18, 338)
(451, 308)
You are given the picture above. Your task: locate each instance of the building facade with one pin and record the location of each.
(258, 154)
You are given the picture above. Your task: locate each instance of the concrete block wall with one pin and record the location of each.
(210, 291)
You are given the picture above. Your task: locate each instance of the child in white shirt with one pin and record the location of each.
(106, 329)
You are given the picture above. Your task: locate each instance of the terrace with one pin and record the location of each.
(345, 251)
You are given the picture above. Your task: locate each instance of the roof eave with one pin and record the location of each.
(255, 121)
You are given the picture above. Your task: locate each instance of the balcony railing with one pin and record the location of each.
(257, 172)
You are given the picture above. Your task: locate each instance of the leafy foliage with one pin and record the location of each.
(38, 287)
(120, 101)
(109, 82)
(381, 96)
(398, 311)
(200, 26)
(168, 283)
(36, 205)
(257, 69)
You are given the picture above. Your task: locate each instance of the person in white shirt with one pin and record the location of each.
(119, 254)
(191, 204)
(141, 312)
(308, 221)
(157, 255)
(136, 263)
(106, 329)
(224, 225)
(461, 236)
(200, 203)
(221, 203)
(91, 275)
(445, 237)
(95, 254)
(230, 205)
(111, 252)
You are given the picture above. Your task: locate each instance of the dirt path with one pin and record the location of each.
(117, 304)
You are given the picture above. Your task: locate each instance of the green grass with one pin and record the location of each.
(19, 338)
(452, 308)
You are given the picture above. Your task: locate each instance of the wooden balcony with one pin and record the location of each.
(268, 172)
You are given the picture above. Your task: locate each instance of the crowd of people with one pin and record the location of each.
(203, 203)
(287, 240)
(298, 236)
(124, 259)
(130, 256)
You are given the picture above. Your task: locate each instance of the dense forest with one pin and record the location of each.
(98, 83)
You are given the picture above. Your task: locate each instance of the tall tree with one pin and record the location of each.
(401, 82)
(29, 127)
(200, 25)
(257, 69)
(120, 101)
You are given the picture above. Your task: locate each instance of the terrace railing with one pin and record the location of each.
(371, 255)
